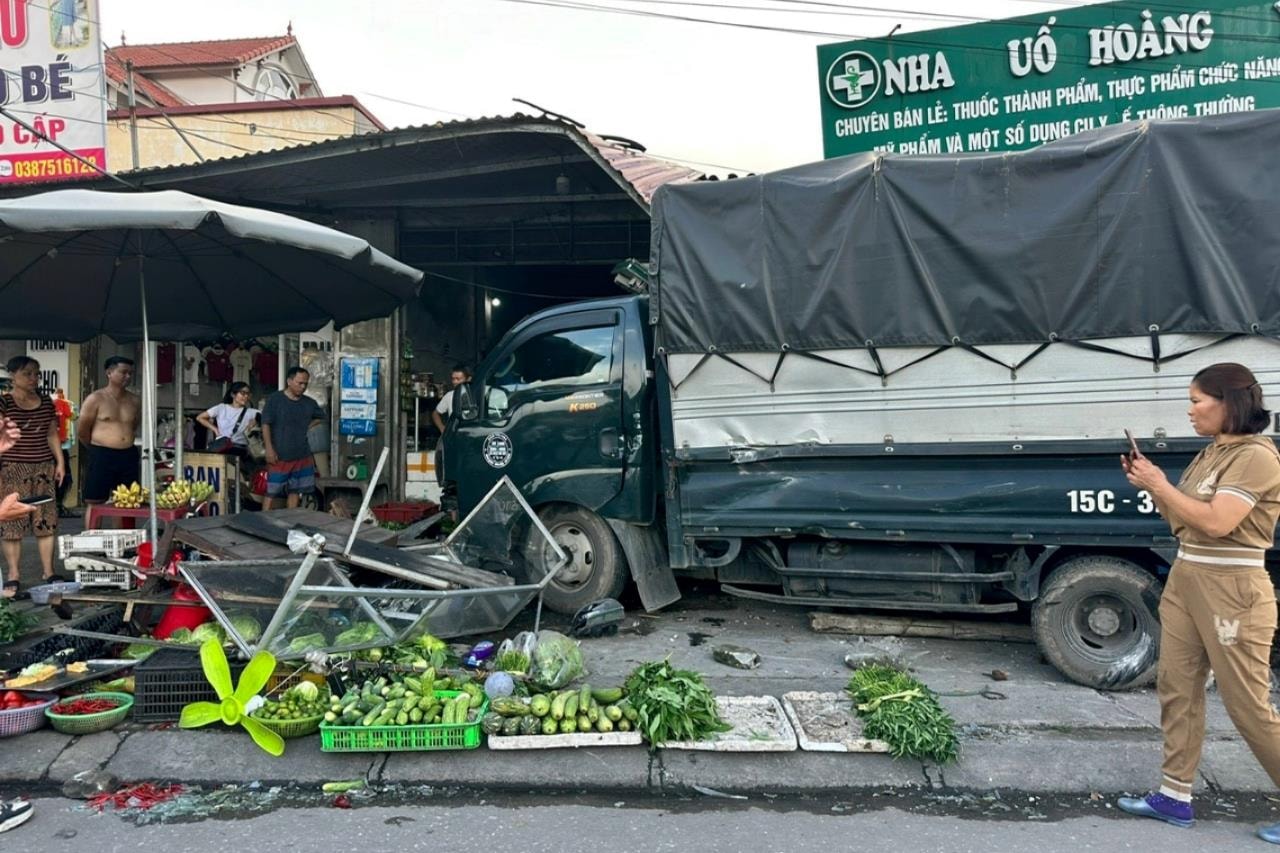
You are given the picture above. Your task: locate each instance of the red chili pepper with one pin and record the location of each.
(141, 796)
(85, 706)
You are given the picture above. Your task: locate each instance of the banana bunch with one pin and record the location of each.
(131, 496)
(182, 493)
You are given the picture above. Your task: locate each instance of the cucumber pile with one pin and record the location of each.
(577, 710)
(407, 700)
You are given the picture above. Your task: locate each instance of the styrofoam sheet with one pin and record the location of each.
(824, 722)
(759, 725)
(573, 741)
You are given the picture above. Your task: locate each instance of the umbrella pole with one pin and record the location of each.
(180, 435)
(148, 416)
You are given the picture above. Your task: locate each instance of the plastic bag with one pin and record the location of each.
(523, 642)
(557, 660)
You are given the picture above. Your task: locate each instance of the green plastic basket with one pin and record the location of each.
(85, 724)
(411, 738)
(300, 727)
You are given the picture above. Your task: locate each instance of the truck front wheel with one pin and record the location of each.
(596, 568)
(1096, 621)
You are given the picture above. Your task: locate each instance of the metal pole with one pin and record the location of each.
(180, 432)
(281, 364)
(368, 496)
(148, 414)
(133, 116)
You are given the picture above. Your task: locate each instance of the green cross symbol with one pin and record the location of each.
(853, 79)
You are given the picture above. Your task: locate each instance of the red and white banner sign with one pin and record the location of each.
(53, 89)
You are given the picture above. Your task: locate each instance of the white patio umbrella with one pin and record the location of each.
(172, 266)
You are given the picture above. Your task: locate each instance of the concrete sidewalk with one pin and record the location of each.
(1046, 736)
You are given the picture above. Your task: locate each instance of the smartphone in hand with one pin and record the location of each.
(36, 500)
(1134, 452)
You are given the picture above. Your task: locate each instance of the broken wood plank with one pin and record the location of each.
(216, 536)
(868, 625)
(378, 557)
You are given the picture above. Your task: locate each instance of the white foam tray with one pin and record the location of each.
(831, 706)
(573, 741)
(738, 711)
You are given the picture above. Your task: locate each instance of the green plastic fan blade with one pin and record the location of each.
(216, 669)
(255, 676)
(199, 714)
(263, 736)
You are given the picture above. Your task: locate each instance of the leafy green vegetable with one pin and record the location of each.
(357, 635)
(249, 628)
(512, 661)
(138, 651)
(308, 642)
(179, 635)
(208, 631)
(13, 622)
(557, 660)
(901, 711)
(672, 704)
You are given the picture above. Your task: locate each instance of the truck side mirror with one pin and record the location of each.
(467, 409)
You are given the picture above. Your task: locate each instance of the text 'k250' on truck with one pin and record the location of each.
(900, 383)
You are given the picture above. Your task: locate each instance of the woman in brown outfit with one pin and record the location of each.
(1218, 610)
(32, 467)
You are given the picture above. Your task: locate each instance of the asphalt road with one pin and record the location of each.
(560, 825)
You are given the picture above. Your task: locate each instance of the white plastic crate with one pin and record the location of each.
(111, 543)
(100, 573)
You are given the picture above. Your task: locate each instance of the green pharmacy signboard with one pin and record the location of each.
(1020, 82)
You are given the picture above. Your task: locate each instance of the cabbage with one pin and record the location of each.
(308, 642)
(557, 660)
(138, 651)
(179, 635)
(208, 631)
(358, 634)
(246, 626)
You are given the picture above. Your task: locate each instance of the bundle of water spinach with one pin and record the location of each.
(672, 704)
(901, 711)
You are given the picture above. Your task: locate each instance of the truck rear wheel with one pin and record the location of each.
(1096, 620)
(596, 568)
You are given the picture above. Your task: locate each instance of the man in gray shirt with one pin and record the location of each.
(286, 417)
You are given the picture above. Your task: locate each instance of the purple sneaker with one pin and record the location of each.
(1159, 807)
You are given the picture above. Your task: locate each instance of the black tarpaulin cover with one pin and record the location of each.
(1173, 225)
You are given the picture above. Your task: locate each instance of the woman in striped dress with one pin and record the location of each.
(33, 467)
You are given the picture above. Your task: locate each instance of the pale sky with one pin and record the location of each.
(724, 98)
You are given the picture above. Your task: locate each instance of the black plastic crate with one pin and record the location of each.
(25, 652)
(170, 679)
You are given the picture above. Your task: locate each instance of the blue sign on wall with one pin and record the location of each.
(358, 397)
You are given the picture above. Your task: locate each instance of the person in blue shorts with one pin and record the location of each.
(286, 417)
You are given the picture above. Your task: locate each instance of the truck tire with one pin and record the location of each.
(596, 569)
(1091, 619)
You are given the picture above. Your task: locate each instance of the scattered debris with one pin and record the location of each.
(89, 783)
(998, 675)
(397, 820)
(908, 626)
(738, 657)
(712, 792)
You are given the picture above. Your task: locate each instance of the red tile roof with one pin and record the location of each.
(252, 107)
(199, 53)
(161, 96)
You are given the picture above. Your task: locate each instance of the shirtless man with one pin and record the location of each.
(108, 424)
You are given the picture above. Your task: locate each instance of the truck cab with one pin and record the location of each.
(562, 406)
